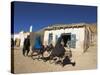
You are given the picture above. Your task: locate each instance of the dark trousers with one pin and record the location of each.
(26, 50)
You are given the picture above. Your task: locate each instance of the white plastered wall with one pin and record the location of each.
(79, 36)
(20, 36)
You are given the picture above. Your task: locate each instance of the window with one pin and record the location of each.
(50, 38)
(73, 41)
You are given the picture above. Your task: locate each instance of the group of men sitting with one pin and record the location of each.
(48, 53)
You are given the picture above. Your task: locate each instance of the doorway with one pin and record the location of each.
(69, 39)
(66, 37)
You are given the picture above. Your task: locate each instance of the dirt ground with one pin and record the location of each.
(84, 61)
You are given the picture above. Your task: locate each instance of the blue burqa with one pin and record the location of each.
(38, 43)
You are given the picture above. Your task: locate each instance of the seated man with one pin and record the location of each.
(67, 60)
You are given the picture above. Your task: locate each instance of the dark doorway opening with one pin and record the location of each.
(66, 37)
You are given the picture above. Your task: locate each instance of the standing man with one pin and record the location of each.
(26, 46)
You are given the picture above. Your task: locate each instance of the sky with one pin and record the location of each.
(40, 15)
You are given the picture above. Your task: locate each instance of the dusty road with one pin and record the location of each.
(87, 60)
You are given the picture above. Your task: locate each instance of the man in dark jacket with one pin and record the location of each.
(26, 46)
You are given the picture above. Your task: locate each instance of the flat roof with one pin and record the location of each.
(64, 26)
